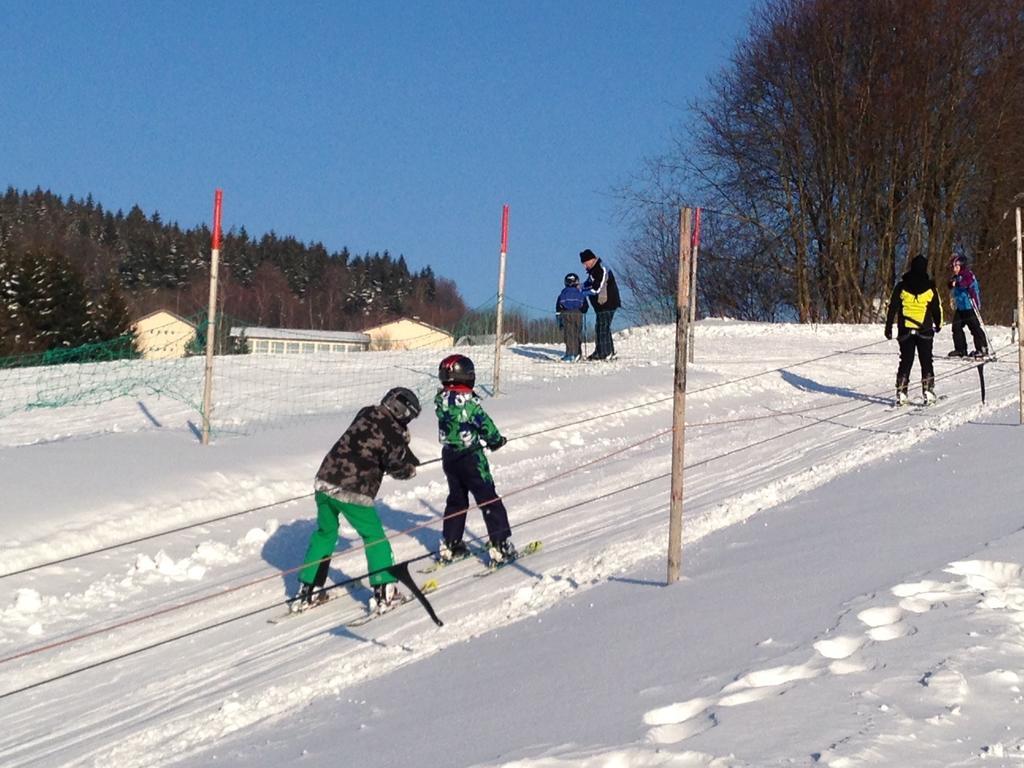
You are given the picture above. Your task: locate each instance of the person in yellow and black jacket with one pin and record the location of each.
(916, 309)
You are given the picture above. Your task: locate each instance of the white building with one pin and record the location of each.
(292, 341)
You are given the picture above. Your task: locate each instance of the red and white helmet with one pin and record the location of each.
(457, 369)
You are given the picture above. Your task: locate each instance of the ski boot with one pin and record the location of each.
(929, 397)
(957, 353)
(979, 353)
(450, 551)
(502, 552)
(308, 596)
(385, 598)
(902, 398)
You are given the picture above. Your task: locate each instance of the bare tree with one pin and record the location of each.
(846, 137)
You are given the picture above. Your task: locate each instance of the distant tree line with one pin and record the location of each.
(845, 137)
(73, 273)
(517, 324)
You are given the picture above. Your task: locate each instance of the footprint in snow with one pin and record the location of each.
(998, 584)
(884, 623)
(839, 647)
(679, 721)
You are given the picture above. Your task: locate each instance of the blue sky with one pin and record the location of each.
(397, 126)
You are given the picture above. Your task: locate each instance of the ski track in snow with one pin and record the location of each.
(725, 486)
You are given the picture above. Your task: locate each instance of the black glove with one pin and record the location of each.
(498, 443)
(405, 473)
(938, 328)
(888, 333)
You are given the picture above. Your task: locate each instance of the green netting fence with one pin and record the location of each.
(159, 373)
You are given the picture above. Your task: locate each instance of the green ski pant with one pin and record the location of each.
(321, 544)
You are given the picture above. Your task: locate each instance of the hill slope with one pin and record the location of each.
(837, 551)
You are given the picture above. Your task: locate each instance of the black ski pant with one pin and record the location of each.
(467, 473)
(603, 333)
(921, 344)
(969, 318)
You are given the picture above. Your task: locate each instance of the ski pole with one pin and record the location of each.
(981, 322)
(984, 332)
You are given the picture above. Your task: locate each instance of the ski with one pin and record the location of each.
(918, 404)
(970, 359)
(437, 565)
(529, 549)
(426, 588)
(293, 612)
(369, 616)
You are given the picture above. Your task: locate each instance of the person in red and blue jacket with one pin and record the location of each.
(965, 298)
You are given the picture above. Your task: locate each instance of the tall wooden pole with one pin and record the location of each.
(1020, 314)
(211, 317)
(499, 323)
(693, 285)
(675, 523)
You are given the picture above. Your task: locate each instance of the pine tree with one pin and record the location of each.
(110, 316)
(59, 305)
(21, 334)
(8, 318)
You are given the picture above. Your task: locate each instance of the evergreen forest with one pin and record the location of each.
(74, 273)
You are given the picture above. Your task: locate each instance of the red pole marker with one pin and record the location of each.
(218, 198)
(504, 228)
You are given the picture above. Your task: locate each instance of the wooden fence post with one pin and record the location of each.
(675, 525)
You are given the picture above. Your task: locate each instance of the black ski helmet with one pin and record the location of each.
(402, 403)
(572, 279)
(457, 369)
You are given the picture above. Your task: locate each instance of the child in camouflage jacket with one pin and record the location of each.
(375, 444)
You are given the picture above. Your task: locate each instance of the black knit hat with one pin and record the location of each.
(587, 255)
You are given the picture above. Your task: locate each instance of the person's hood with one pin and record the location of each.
(917, 279)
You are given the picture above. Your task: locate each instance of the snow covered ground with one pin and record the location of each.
(852, 588)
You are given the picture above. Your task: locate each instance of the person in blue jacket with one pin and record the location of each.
(965, 298)
(571, 306)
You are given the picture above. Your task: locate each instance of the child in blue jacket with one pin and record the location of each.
(570, 307)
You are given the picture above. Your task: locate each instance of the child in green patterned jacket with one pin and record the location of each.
(465, 430)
